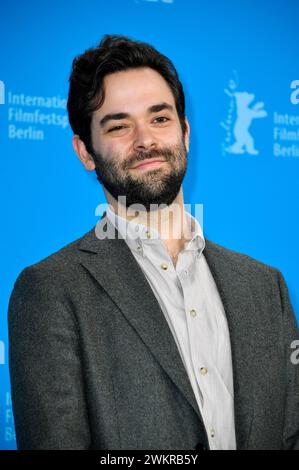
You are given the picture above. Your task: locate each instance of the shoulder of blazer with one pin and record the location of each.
(66, 259)
(61, 262)
(238, 261)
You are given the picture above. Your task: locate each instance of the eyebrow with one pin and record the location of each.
(152, 109)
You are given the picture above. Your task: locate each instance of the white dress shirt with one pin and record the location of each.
(190, 301)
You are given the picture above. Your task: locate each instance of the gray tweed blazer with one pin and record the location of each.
(93, 363)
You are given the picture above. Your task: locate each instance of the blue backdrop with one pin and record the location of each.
(238, 61)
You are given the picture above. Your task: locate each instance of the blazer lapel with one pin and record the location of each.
(240, 311)
(117, 271)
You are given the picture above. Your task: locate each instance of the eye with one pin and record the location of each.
(161, 117)
(116, 128)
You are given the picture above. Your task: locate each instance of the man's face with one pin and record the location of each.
(138, 124)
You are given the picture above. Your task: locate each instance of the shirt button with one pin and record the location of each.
(212, 432)
(164, 266)
(193, 312)
(203, 370)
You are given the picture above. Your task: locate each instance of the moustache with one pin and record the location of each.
(141, 156)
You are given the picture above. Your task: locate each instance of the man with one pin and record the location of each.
(142, 334)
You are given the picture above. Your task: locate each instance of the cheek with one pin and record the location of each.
(172, 135)
(115, 151)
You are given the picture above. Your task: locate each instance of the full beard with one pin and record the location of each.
(158, 186)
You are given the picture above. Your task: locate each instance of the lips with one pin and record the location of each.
(148, 162)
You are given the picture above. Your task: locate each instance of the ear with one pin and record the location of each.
(187, 134)
(83, 155)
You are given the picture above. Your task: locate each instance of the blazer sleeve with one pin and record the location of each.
(291, 332)
(45, 365)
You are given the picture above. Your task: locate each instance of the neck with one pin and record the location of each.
(169, 221)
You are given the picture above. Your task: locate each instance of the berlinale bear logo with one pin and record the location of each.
(241, 113)
(244, 141)
(240, 116)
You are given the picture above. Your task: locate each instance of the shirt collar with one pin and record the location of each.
(137, 235)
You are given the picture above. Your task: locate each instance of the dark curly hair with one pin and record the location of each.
(115, 53)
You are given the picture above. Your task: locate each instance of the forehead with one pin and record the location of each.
(134, 91)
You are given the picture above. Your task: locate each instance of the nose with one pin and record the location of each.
(144, 139)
